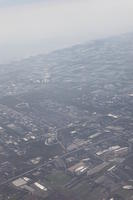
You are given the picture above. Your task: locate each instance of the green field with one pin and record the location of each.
(58, 178)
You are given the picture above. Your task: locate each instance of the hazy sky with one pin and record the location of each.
(29, 27)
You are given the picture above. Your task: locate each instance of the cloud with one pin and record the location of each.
(63, 22)
(7, 3)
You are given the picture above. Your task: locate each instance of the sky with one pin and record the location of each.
(31, 27)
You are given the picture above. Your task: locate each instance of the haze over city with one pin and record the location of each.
(37, 27)
(66, 99)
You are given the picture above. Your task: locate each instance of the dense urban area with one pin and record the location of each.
(66, 124)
